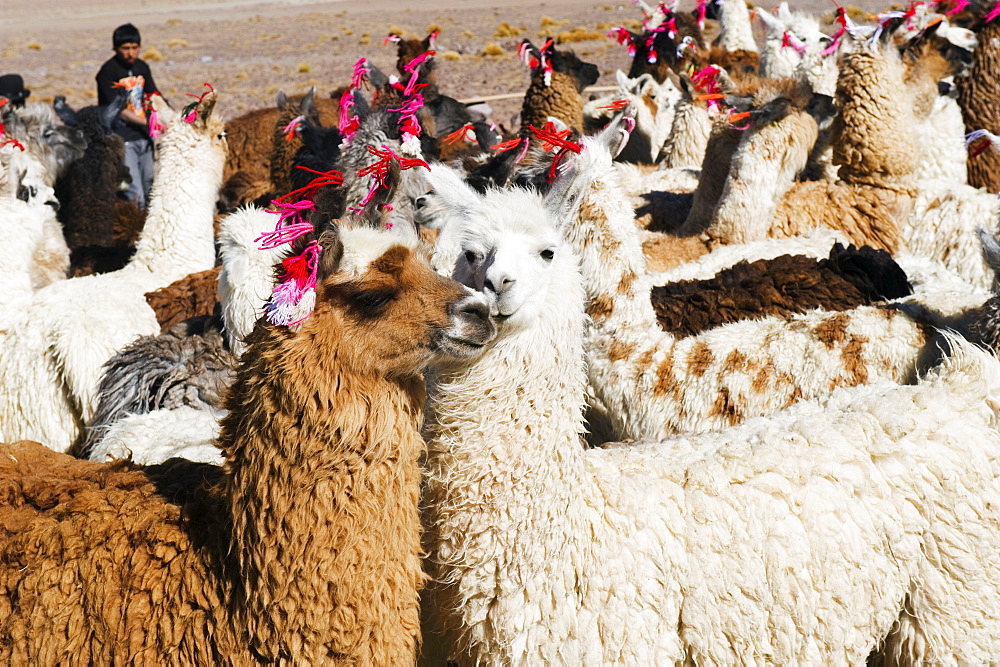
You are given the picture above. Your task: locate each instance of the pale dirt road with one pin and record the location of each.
(249, 50)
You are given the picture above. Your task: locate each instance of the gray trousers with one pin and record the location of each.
(139, 160)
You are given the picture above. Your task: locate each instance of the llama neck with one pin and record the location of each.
(559, 100)
(750, 196)
(942, 142)
(177, 238)
(323, 486)
(873, 135)
(505, 478)
(688, 137)
(736, 32)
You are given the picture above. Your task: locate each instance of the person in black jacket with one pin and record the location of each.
(126, 71)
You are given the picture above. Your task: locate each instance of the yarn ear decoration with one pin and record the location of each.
(551, 140)
(358, 79)
(392, 38)
(290, 224)
(977, 141)
(156, 126)
(190, 112)
(993, 13)
(323, 179)
(623, 37)
(294, 297)
(789, 40)
(955, 6)
(291, 131)
(460, 134)
(521, 142)
(701, 11)
(380, 170)
(348, 124)
(617, 105)
(12, 142)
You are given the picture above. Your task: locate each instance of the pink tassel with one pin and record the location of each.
(358, 76)
(290, 225)
(379, 170)
(348, 124)
(702, 7)
(392, 37)
(789, 40)
(294, 298)
(993, 13)
(292, 129)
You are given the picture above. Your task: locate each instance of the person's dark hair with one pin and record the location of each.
(125, 34)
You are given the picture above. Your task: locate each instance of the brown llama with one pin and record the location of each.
(304, 547)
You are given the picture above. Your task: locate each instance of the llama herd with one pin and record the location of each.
(702, 371)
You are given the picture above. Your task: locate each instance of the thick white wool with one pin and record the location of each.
(51, 351)
(156, 436)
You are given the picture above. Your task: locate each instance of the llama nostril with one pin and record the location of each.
(475, 309)
(499, 285)
(420, 201)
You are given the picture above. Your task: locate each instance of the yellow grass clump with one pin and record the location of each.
(303, 68)
(34, 46)
(177, 42)
(493, 50)
(152, 55)
(451, 55)
(506, 30)
(579, 35)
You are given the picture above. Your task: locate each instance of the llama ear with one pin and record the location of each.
(376, 76)
(333, 251)
(775, 26)
(307, 102)
(65, 112)
(460, 200)
(281, 100)
(614, 137)
(204, 109)
(991, 253)
(166, 113)
(109, 113)
(622, 80)
(563, 198)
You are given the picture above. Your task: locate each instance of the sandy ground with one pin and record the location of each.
(249, 50)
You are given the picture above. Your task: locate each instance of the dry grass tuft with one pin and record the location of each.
(493, 50)
(451, 55)
(506, 30)
(34, 46)
(152, 55)
(177, 42)
(303, 68)
(579, 35)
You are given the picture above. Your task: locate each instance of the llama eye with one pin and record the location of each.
(547, 254)
(471, 257)
(374, 301)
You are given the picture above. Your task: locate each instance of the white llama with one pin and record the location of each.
(806, 537)
(51, 351)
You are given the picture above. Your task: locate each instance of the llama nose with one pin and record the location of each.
(473, 308)
(498, 284)
(420, 202)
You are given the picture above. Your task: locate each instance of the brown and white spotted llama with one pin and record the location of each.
(653, 384)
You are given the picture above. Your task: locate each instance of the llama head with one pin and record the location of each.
(23, 177)
(507, 244)
(654, 103)
(55, 146)
(984, 323)
(387, 304)
(932, 62)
